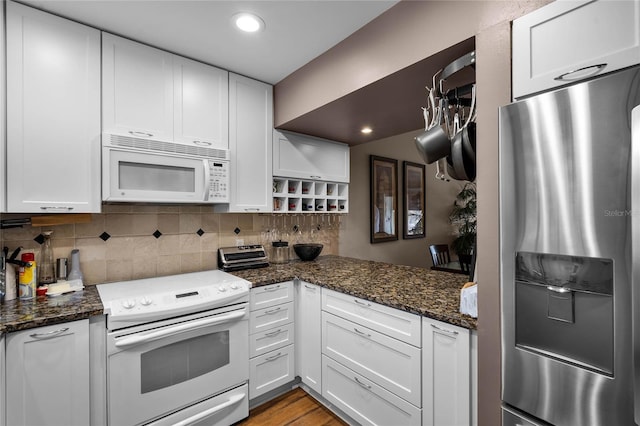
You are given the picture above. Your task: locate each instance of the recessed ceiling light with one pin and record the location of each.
(248, 22)
(366, 130)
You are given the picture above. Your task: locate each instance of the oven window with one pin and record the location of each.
(184, 360)
(156, 177)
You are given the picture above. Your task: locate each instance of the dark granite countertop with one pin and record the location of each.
(428, 293)
(424, 292)
(19, 314)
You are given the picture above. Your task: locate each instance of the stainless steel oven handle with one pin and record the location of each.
(635, 250)
(140, 338)
(206, 413)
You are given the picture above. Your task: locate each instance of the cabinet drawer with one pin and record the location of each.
(392, 322)
(270, 295)
(271, 317)
(388, 362)
(363, 400)
(273, 369)
(269, 340)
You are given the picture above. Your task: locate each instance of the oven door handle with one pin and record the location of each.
(206, 413)
(140, 338)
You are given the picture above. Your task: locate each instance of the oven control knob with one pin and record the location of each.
(128, 304)
(222, 289)
(145, 301)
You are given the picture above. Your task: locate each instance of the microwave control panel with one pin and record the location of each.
(219, 181)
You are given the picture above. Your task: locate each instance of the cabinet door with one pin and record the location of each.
(566, 41)
(309, 335)
(446, 379)
(137, 89)
(3, 383)
(201, 104)
(250, 144)
(306, 157)
(48, 375)
(53, 113)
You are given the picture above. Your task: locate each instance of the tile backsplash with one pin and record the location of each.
(139, 241)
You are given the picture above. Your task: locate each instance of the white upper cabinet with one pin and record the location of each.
(307, 157)
(53, 113)
(250, 145)
(137, 89)
(566, 41)
(153, 94)
(201, 94)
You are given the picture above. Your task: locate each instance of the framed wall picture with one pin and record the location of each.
(413, 199)
(384, 199)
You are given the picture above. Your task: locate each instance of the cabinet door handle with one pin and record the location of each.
(48, 335)
(582, 73)
(309, 287)
(362, 333)
(315, 177)
(202, 143)
(368, 305)
(273, 333)
(452, 332)
(272, 311)
(273, 357)
(56, 209)
(142, 134)
(254, 209)
(364, 385)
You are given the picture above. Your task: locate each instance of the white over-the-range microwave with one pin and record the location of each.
(143, 170)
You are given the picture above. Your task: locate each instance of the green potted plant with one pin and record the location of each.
(463, 217)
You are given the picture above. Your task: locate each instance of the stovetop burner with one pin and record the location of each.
(135, 302)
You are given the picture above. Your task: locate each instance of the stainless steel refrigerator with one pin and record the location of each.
(570, 254)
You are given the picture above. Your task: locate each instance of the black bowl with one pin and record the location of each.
(308, 251)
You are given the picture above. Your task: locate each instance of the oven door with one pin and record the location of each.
(158, 369)
(150, 177)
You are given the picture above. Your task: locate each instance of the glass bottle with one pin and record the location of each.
(46, 266)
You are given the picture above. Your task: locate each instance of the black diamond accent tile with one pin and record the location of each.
(39, 239)
(237, 231)
(157, 234)
(104, 236)
(200, 232)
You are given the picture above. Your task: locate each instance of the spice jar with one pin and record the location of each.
(280, 252)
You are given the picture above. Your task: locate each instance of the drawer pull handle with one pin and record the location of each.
(274, 288)
(273, 333)
(273, 357)
(315, 177)
(56, 208)
(309, 287)
(48, 335)
(272, 311)
(452, 332)
(582, 73)
(368, 305)
(202, 143)
(364, 385)
(141, 134)
(362, 333)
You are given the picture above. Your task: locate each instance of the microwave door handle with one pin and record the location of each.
(211, 411)
(205, 180)
(635, 250)
(140, 338)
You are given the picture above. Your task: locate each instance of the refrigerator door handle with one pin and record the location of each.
(635, 251)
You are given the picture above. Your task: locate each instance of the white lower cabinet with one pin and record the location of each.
(446, 364)
(308, 335)
(271, 338)
(364, 400)
(386, 361)
(48, 375)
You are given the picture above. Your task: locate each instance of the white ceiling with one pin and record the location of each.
(296, 31)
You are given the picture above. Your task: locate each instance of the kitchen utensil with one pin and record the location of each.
(308, 251)
(433, 144)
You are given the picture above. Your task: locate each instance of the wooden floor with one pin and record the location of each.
(295, 408)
